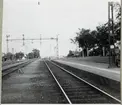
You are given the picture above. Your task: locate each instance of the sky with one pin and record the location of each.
(48, 19)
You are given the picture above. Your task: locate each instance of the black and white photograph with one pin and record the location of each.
(61, 52)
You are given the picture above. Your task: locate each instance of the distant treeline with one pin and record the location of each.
(20, 55)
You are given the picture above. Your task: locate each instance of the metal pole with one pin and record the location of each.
(40, 44)
(7, 42)
(12, 50)
(109, 32)
(23, 40)
(40, 40)
(57, 47)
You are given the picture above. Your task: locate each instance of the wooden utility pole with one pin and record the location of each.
(111, 33)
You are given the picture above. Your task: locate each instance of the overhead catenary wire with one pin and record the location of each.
(31, 39)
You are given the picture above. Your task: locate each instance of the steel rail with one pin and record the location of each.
(66, 96)
(86, 82)
(14, 65)
(15, 68)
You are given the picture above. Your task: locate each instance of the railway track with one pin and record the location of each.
(35, 85)
(108, 85)
(11, 69)
(75, 89)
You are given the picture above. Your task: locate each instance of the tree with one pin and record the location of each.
(30, 55)
(9, 56)
(19, 55)
(70, 54)
(117, 25)
(36, 53)
(117, 7)
(86, 39)
(100, 37)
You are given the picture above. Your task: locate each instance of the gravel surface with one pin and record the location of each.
(9, 62)
(34, 85)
